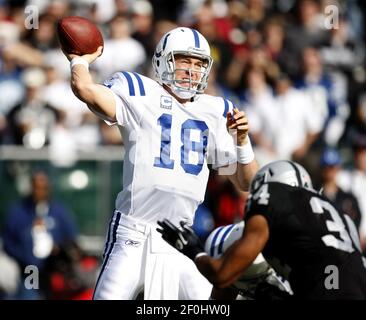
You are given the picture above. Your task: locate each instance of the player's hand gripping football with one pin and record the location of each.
(237, 124)
(185, 240)
(88, 57)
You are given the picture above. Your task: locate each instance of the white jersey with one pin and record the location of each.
(168, 146)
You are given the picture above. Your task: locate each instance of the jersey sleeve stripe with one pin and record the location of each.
(219, 250)
(141, 84)
(196, 38)
(212, 249)
(226, 108)
(130, 83)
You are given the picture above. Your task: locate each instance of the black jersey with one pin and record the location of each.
(307, 236)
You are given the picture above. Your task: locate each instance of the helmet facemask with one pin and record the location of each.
(195, 86)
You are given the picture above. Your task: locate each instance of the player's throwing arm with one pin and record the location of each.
(82, 43)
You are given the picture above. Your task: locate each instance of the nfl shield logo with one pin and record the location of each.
(166, 102)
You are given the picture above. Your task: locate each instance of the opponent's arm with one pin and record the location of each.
(238, 123)
(226, 270)
(100, 99)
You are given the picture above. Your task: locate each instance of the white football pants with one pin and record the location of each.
(136, 258)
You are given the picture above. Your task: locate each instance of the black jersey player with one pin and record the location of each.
(297, 230)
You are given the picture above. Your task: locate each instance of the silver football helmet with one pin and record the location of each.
(182, 41)
(283, 171)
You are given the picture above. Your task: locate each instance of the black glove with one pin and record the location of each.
(185, 241)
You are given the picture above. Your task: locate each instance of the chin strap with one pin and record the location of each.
(181, 93)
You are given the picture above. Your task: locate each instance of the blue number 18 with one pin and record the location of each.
(164, 161)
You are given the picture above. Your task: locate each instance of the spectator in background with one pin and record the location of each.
(261, 110)
(11, 89)
(37, 229)
(142, 25)
(215, 87)
(298, 127)
(43, 38)
(344, 202)
(255, 13)
(31, 121)
(11, 92)
(56, 86)
(274, 36)
(307, 31)
(120, 40)
(354, 11)
(354, 181)
(55, 8)
(75, 127)
(254, 55)
(328, 94)
(32, 42)
(357, 125)
(240, 26)
(274, 117)
(221, 52)
(274, 42)
(342, 52)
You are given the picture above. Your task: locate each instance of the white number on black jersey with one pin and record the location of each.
(347, 241)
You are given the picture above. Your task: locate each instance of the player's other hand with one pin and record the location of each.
(88, 57)
(237, 124)
(185, 240)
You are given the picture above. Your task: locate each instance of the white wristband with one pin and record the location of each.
(245, 153)
(79, 60)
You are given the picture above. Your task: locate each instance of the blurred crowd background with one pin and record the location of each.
(297, 68)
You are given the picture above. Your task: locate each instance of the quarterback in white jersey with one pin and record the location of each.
(171, 132)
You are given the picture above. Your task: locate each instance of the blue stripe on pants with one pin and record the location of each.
(114, 239)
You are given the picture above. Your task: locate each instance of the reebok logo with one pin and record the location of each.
(134, 243)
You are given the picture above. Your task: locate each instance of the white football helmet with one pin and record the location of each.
(283, 171)
(182, 41)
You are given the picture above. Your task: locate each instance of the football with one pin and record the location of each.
(78, 35)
